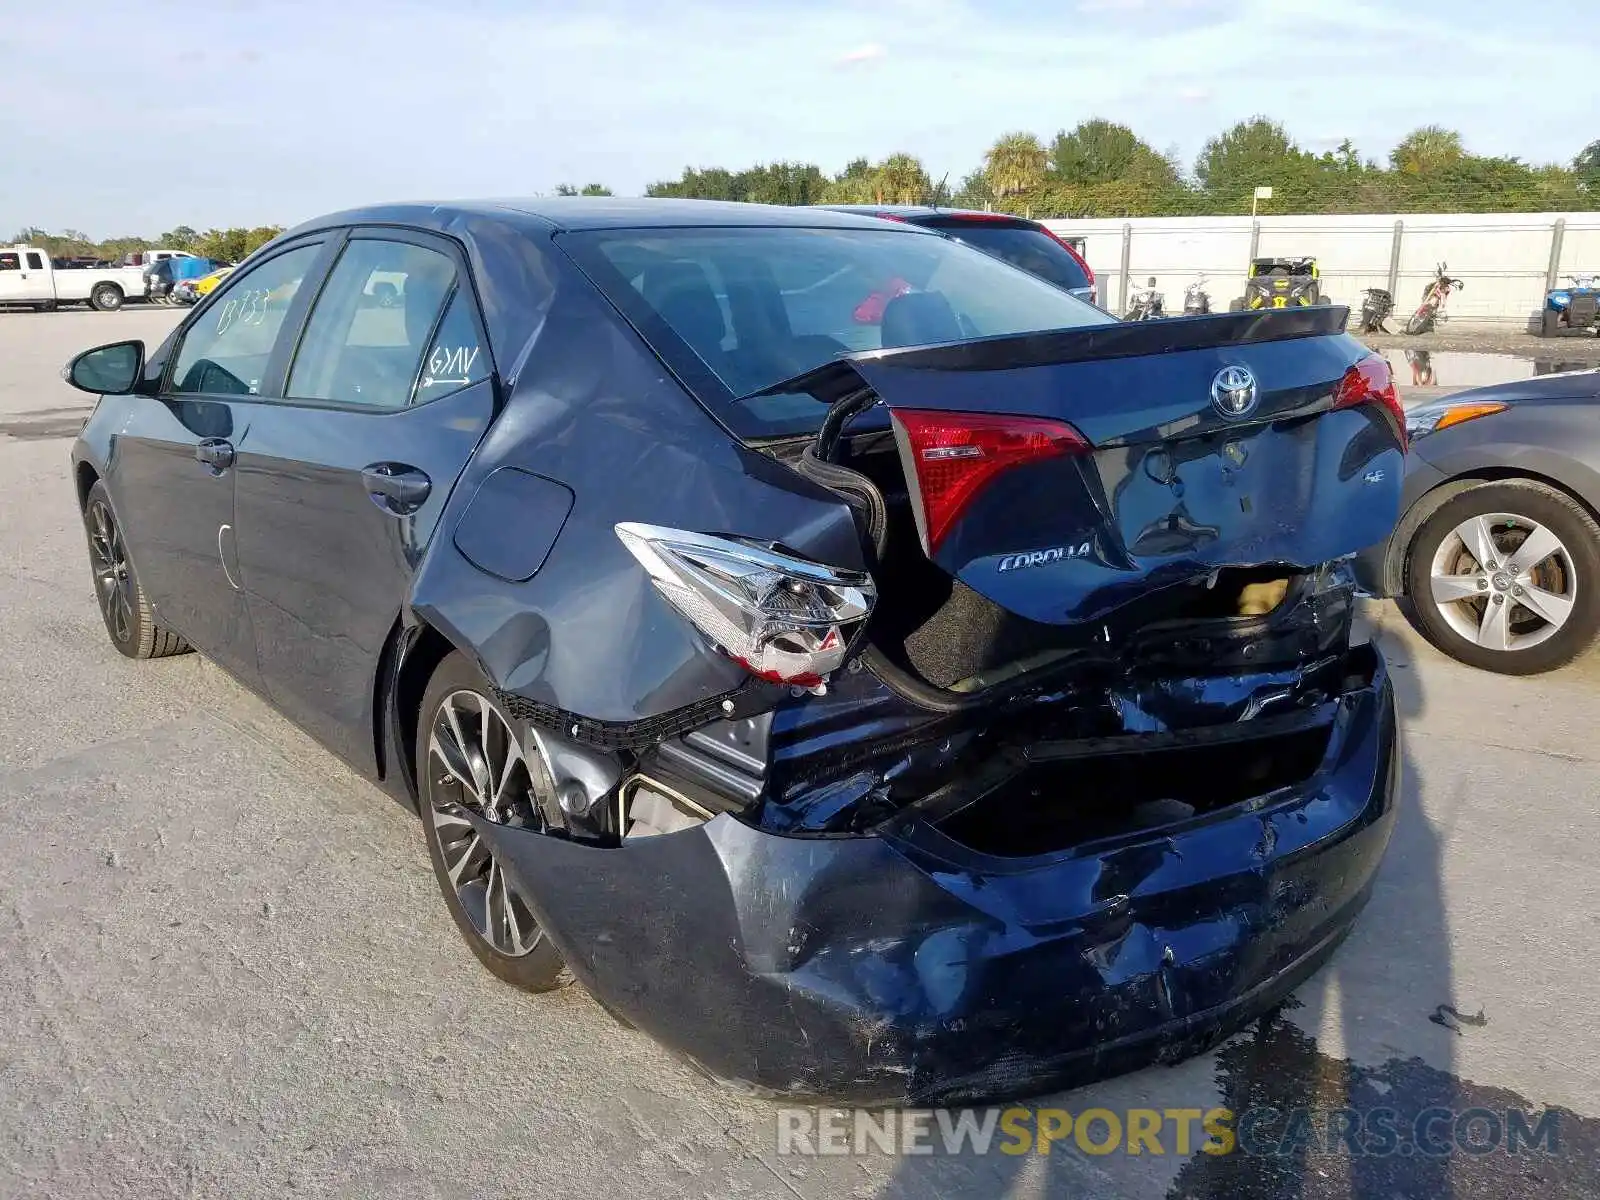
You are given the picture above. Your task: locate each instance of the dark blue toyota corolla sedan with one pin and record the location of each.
(872, 671)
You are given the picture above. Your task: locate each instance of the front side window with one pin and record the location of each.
(225, 352)
(758, 306)
(371, 325)
(10, 261)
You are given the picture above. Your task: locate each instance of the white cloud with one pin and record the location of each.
(861, 54)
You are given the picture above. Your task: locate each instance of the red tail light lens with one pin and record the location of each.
(1370, 382)
(954, 456)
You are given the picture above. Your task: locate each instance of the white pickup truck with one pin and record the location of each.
(27, 278)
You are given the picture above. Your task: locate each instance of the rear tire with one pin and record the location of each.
(105, 297)
(130, 621)
(1550, 324)
(1566, 580)
(499, 928)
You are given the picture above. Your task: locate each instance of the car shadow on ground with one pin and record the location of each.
(1391, 974)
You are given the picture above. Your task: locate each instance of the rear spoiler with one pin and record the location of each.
(1117, 339)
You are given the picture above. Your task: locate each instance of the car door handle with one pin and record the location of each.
(396, 488)
(216, 453)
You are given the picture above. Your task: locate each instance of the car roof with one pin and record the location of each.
(573, 213)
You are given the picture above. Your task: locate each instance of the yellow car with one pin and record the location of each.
(207, 284)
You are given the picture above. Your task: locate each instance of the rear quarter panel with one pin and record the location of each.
(593, 411)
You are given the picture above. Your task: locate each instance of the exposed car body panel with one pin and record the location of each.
(1174, 489)
(904, 969)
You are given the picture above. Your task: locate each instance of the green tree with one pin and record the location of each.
(1251, 154)
(782, 183)
(1015, 164)
(1427, 150)
(1101, 151)
(705, 183)
(566, 189)
(234, 245)
(973, 191)
(902, 180)
(181, 238)
(1587, 167)
(595, 189)
(856, 184)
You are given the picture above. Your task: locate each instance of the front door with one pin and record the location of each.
(172, 467)
(341, 484)
(13, 279)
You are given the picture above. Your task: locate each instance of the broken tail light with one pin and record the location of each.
(951, 457)
(1371, 382)
(784, 619)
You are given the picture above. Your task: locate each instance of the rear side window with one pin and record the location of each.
(35, 262)
(372, 323)
(1031, 249)
(456, 358)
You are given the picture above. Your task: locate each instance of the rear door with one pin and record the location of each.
(340, 484)
(1063, 474)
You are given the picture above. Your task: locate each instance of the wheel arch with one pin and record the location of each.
(410, 656)
(1397, 561)
(85, 476)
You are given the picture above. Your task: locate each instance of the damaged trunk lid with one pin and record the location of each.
(1067, 473)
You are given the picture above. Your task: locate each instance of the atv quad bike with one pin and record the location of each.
(1280, 283)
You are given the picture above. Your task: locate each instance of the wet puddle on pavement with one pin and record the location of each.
(1469, 369)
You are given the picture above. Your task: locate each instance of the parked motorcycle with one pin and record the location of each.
(1196, 300)
(1147, 303)
(1431, 311)
(1572, 309)
(1375, 310)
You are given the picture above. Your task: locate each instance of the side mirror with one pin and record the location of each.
(112, 370)
(1151, 282)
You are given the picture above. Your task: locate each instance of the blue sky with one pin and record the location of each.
(122, 116)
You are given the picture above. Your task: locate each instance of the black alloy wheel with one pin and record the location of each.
(470, 760)
(130, 621)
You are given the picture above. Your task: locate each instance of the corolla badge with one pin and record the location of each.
(1233, 392)
(1038, 558)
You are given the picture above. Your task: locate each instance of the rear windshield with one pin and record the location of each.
(758, 306)
(1031, 249)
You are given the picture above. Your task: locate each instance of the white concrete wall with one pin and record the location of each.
(1502, 257)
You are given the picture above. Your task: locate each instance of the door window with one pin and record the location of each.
(35, 262)
(10, 261)
(225, 352)
(456, 357)
(378, 314)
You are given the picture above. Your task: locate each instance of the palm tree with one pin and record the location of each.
(1423, 151)
(901, 179)
(1015, 164)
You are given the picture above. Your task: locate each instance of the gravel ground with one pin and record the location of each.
(227, 973)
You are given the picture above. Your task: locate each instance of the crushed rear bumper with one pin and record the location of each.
(908, 969)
